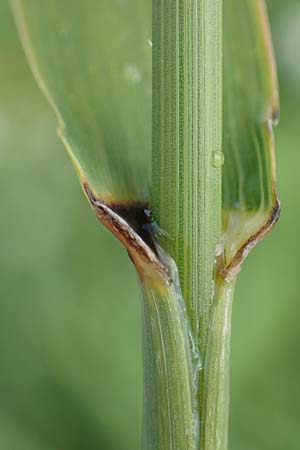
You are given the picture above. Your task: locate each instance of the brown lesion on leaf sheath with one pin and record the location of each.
(229, 272)
(231, 269)
(127, 222)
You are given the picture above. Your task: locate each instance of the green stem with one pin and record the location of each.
(170, 369)
(187, 156)
(217, 371)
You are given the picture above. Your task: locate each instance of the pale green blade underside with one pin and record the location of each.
(250, 107)
(92, 59)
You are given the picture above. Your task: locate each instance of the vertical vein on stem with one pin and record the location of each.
(187, 139)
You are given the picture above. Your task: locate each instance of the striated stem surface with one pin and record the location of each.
(171, 367)
(217, 371)
(187, 150)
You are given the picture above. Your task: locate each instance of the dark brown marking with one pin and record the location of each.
(231, 270)
(126, 221)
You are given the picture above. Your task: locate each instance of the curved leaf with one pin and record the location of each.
(250, 203)
(93, 62)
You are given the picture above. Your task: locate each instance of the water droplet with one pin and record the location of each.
(150, 42)
(132, 73)
(218, 159)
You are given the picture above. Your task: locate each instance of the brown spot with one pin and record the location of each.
(134, 214)
(229, 272)
(126, 222)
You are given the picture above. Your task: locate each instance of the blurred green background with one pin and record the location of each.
(70, 351)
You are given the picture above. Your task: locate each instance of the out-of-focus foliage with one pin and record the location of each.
(63, 307)
(63, 313)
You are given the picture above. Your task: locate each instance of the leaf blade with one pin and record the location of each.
(96, 74)
(250, 202)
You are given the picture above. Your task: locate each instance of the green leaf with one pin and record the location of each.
(93, 62)
(187, 167)
(94, 65)
(250, 108)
